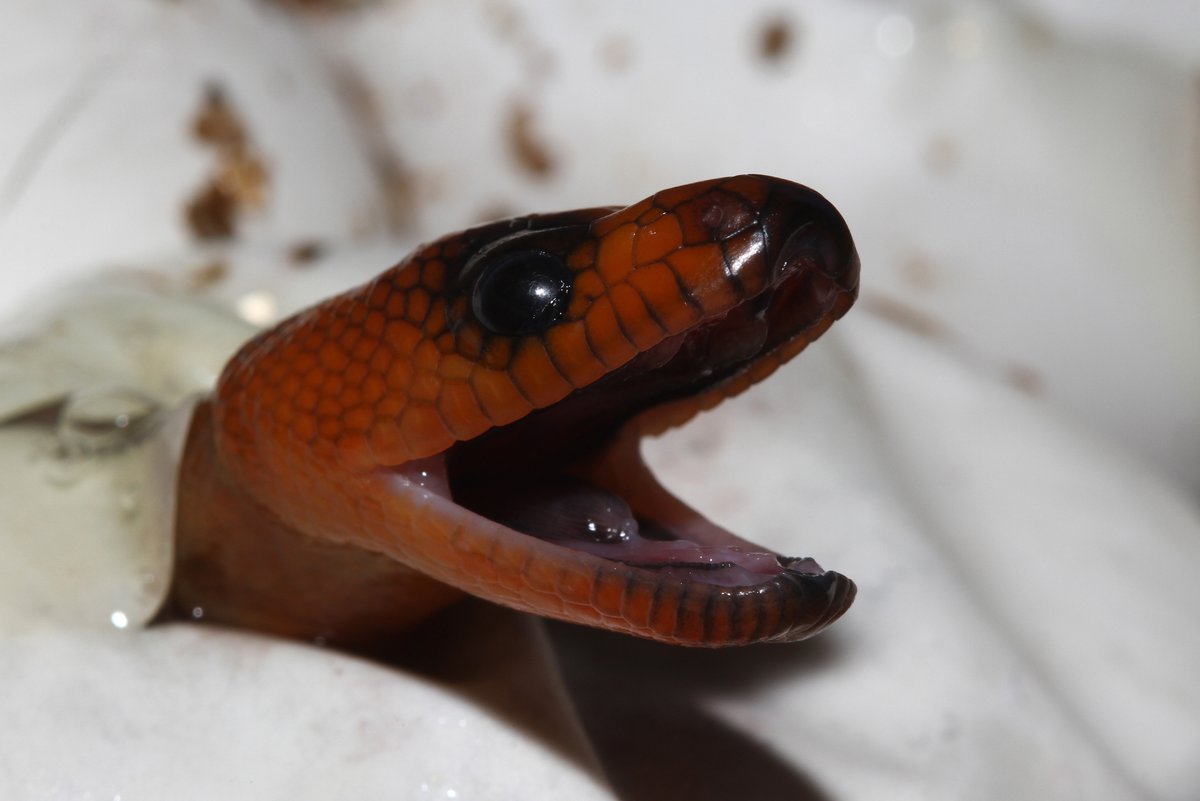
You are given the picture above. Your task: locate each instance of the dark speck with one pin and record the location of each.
(305, 253)
(527, 148)
(776, 39)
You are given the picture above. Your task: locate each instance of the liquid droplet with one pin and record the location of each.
(105, 419)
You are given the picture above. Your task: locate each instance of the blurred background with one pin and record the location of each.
(1022, 178)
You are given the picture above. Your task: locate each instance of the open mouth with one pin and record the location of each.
(571, 475)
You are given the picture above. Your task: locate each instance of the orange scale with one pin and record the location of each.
(670, 198)
(358, 419)
(449, 249)
(650, 215)
(335, 325)
(636, 321)
(397, 305)
(426, 355)
(284, 413)
(312, 340)
(587, 288)
(582, 256)
(608, 593)
(718, 626)
(461, 411)
(350, 397)
(302, 362)
(614, 257)
(432, 275)
(350, 338)
(542, 575)
(373, 388)
(425, 386)
(636, 605)
(446, 342)
(405, 275)
(424, 431)
(469, 341)
(664, 608)
(794, 346)
(289, 386)
(306, 399)
(379, 294)
(454, 366)
(323, 451)
(391, 406)
(498, 354)
(498, 396)
(399, 374)
(418, 306)
(382, 359)
(656, 240)
(573, 585)
(332, 385)
(354, 450)
(702, 269)
(276, 372)
(314, 378)
(374, 324)
(762, 368)
(659, 289)
(691, 627)
(606, 225)
(568, 345)
(753, 190)
(604, 333)
(386, 441)
(435, 321)
(401, 336)
(329, 427)
(329, 407)
(534, 372)
(304, 427)
(355, 372)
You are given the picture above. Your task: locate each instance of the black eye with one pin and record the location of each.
(522, 292)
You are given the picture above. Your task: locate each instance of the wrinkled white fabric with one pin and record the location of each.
(1026, 617)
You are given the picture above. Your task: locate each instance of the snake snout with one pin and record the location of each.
(805, 231)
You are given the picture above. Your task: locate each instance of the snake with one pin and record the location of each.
(469, 423)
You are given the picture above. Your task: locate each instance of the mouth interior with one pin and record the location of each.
(571, 474)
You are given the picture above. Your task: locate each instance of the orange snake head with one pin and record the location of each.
(473, 413)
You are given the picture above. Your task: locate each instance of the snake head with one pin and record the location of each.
(474, 412)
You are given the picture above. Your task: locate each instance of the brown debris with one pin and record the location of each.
(906, 316)
(776, 39)
(527, 148)
(370, 126)
(302, 254)
(1026, 379)
(212, 213)
(239, 179)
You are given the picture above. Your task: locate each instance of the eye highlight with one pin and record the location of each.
(521, 292)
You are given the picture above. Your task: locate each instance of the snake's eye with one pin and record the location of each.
(521, 292)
